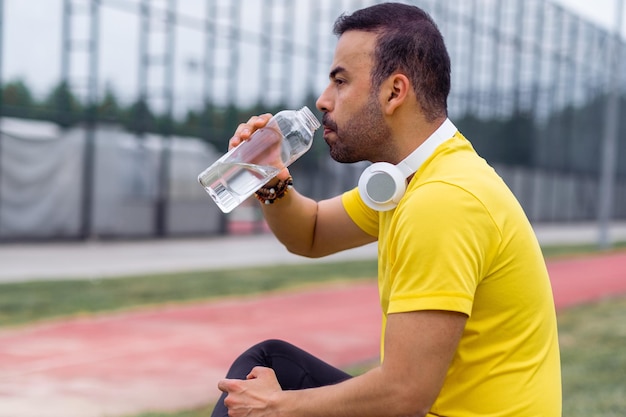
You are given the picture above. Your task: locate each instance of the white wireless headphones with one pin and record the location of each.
(382, 184)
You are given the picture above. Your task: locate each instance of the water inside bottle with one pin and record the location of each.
(229, 184)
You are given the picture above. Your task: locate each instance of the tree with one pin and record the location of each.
(17, 99)
(65, 104)
(501, 140)
(109, 109)
(139, 117)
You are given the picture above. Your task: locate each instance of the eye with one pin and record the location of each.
(339, 81)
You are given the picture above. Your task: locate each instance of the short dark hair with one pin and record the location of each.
(408, 41)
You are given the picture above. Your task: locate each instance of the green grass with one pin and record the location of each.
(593, 354)
(573, 250)
(27, 302)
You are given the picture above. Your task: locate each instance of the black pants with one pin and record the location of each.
(294, 368)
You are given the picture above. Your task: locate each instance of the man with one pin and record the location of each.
(469, 326)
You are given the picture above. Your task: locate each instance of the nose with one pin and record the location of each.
(323, 102)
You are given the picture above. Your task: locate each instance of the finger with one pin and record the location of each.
(254, 373)
(245, 130)
(259, 371)
(259, 121)
(252, 125)
(225, 385)
(234, 142)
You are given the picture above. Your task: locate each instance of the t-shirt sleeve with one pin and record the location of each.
(363, 216)
(441, 243)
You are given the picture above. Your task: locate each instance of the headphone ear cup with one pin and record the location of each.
(381, 186)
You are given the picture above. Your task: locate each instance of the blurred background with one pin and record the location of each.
(111, 108)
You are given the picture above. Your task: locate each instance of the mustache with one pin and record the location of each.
(328, 122)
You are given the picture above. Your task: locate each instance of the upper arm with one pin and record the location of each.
(419, 348)
(334, 229)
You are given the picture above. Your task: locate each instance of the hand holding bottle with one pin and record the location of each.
(260, 150)
(245, 131)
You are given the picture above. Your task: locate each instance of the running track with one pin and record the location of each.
(172, 357)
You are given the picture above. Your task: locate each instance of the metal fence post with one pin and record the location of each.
(611, 129)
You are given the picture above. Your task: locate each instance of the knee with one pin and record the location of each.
(260, 354)
(272, 345)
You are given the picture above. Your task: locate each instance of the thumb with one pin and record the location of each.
(225, 385)
(283, 174)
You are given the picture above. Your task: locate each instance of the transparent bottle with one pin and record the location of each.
(246, 168)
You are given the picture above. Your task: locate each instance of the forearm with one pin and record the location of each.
(419, 347)
(292, 220)
(313, 229)
(371, 394)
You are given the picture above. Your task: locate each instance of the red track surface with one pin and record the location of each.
(172, 357)
(586, 279)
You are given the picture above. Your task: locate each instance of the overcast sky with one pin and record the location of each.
(32, 42)
(599, 11)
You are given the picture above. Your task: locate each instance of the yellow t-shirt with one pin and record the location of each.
(459, 241)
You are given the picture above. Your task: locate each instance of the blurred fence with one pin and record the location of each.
(42, 193)
(529, 89)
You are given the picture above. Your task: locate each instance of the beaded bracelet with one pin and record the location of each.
(268, 195)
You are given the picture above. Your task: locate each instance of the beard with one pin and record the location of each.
(364, 137)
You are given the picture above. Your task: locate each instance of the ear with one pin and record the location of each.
(396, 90)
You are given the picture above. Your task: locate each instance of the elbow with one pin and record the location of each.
(305, 252)
(297, 247)
(304, 248)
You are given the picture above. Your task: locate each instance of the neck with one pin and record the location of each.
(444, 131)
(413, 130)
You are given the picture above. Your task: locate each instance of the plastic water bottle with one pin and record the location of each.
(249, 166)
